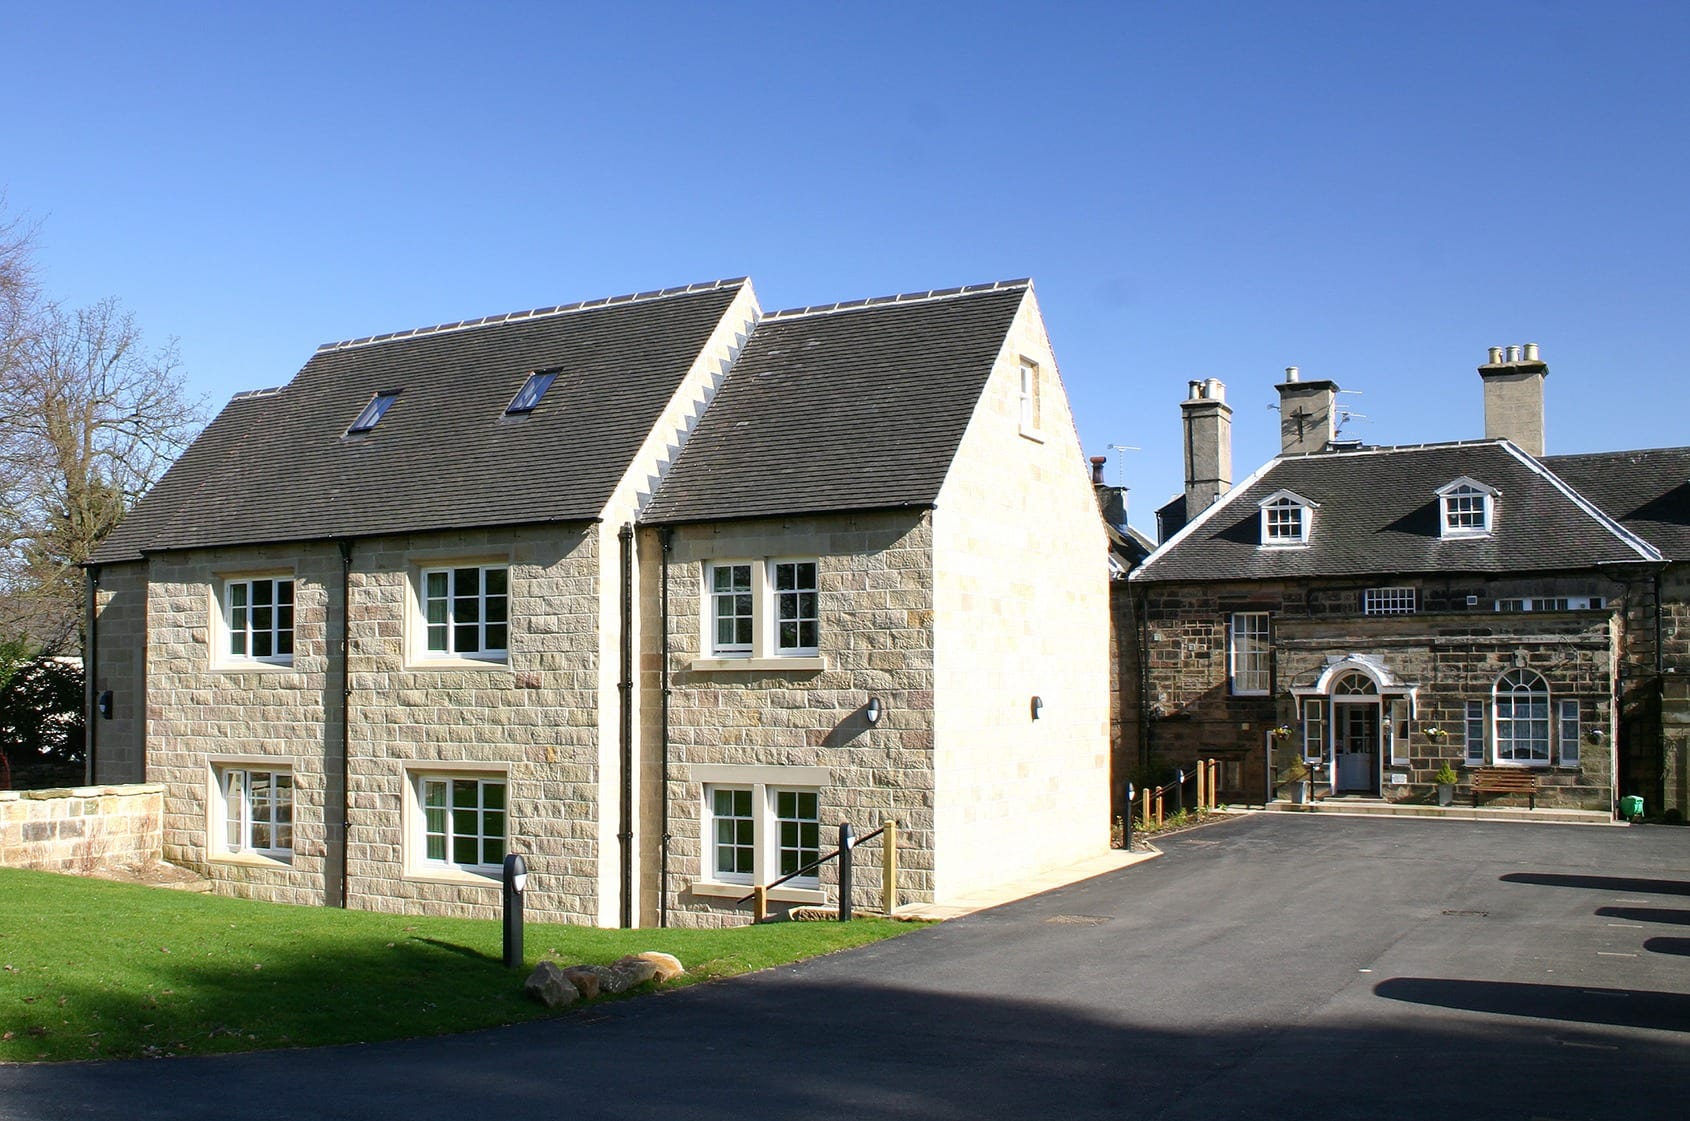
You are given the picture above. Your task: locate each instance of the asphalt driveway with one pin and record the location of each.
(1274, 966)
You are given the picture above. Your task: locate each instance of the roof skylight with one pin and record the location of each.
(528, 397)
(373, 412)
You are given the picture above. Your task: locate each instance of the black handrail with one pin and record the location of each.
(812, 866)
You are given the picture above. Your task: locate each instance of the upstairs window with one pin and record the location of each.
(1387, 601)
(258, 619)
(1028, 398)
(1552, 603)
(529, 395)
(467, 612)
(373, 412)
(762, 609)
(1286, 519)
(1466, 508)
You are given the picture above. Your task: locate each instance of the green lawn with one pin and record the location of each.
(93, 969)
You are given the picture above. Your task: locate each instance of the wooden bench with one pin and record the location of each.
(1505, 780)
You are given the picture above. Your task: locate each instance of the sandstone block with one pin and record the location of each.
(551, 986)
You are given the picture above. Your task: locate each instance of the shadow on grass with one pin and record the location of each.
(1625, 884)
(455, 948)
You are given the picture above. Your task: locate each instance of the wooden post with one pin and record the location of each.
(889, 867)
(1147, 797)
(759, 903)
(1214, 783)
(1158, 805)
(1202, 787)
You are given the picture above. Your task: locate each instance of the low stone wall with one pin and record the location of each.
(82, 830)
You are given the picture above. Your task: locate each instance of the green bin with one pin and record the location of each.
(1631, 807)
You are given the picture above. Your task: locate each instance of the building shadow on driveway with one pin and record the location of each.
(1645, 914)
(1626, 884)
(1628, 1008)
(1677, 946)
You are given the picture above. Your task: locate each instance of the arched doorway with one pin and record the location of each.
(1355, 734)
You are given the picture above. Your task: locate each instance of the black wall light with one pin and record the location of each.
(873, 710)
(1038, 707)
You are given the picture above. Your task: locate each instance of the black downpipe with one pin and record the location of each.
(667, 536)
(625, 828)
(345, 718)
(90, 674)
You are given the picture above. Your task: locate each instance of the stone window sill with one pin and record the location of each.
(782, 894)
(760, 665)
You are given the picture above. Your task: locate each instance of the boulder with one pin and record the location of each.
(585, 978)
(551, 986)
(668, 966)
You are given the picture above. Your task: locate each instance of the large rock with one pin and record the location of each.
(668, 966)
(624, 975)
(551, 986)
(585, 978)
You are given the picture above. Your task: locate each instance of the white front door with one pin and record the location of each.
(1355, 744)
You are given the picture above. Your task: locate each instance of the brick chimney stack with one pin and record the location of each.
(1308, 420)
(1514, 396)
(1208, 445)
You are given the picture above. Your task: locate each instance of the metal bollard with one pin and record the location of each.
(1179, 791)
(846, 841)
(1129, 818)
(516, 882)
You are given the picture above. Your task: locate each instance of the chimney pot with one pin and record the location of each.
(1513, 354)
(1097, 462)
(1291, 373)
(1496, 356)
(1531, 352)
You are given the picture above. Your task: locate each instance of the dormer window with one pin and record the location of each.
(1466, 508)
(529, 395)
(373, 412)
(1286, 519)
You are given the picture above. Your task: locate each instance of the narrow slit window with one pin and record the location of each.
(528, 397)
(373, 412)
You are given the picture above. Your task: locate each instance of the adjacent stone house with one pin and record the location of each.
(1381, 611)
(654, 590)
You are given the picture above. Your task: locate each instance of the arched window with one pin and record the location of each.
(1522, 718)
(1354, 685)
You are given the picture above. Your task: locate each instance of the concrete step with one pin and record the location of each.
(1381, 808)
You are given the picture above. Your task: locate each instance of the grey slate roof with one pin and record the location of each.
(1646, 491)
(1378, 515)
(855, 406)
(276, 465)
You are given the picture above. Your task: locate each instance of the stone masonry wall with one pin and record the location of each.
(117, 743)
(83, 830)
(1453, 657)
(876, 632)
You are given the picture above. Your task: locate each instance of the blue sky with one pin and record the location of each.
(1375, 193)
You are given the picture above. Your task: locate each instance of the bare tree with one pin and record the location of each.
(89, 419)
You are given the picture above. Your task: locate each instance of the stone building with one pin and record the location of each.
(1381, 611)
(655, 590)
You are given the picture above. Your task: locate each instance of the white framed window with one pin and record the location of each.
(1521, 716)
(1396, 731)
(466, 612)
(258, 619)
(1388, 601)
(762, 609)
(1314, 728)
(1466, 508)
(1248, 653)
(462, 822)
(257, 810)
(1568, 711)
(1287, 519)
(759, 832)
(1551, 603)
(1475, 752)
(1028, 403)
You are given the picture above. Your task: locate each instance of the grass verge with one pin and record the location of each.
(96, 970)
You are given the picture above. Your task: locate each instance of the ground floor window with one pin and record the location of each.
(463, 822)
(257, 811)
(1522, 718)
(759, 832)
